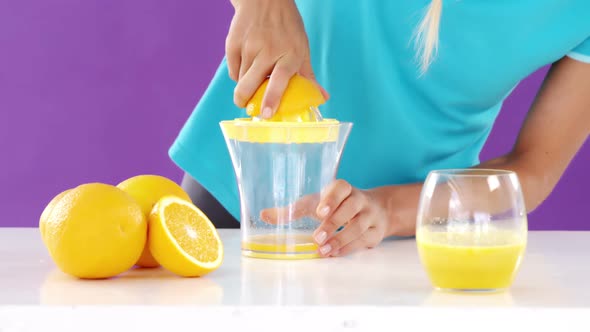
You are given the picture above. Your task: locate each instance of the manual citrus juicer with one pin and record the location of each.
(281, 165)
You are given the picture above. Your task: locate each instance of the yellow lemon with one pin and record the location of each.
(300, 94)
(182, 239)
(147, 190)
(94, 231)
(47, 211)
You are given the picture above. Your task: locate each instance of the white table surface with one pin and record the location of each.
(554, 277)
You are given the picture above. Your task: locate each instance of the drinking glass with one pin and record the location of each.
(471, 229)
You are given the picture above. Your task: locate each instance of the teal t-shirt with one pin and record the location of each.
(404, 124)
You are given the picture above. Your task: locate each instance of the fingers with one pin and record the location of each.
(348, 220)
(253, 68)
(258, 43)
(233, 52)
(251, 52)
(354, 230)
(303, 207)
(250, 81)
(332, 197)
(312, 206)
(285, 68)
(366, 241)
(262, 66)
(233, 62)
(346, 212)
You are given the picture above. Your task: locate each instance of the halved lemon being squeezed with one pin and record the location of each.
(182, 239)
(296, 120)
(299, 103)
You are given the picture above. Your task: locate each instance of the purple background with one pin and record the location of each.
(96, 90)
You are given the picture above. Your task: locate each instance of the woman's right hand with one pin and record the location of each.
(266, 37)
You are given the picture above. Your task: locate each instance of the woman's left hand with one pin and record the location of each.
(363, 219)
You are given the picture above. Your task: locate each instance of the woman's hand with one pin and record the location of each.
(266, 37)
(363, 219)
(351, 218)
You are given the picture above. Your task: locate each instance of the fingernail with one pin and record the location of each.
(321, 237)
(323, 211)
(267, 112)
(325, 249)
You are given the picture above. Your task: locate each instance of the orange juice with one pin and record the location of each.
(471, 261)
(292, 246)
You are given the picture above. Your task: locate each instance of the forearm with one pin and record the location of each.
(556, 127)
(536, 182)
(401, 201)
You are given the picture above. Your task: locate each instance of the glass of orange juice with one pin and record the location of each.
(471, 229)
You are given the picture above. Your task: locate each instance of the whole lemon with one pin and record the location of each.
(47, 211)
(147, 190)
(94, 231)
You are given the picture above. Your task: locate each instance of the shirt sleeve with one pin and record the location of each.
(581, 52)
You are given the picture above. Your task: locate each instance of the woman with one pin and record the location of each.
(423, 83)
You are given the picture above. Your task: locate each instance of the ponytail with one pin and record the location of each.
(427, 35)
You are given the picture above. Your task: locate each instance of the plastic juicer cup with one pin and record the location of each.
(281, 168)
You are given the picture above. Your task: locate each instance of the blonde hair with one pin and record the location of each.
(426, 35)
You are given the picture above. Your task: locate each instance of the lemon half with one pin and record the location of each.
(299, 95)
(182, 239)
(147, 189)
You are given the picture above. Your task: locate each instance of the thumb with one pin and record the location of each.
(307, 72)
